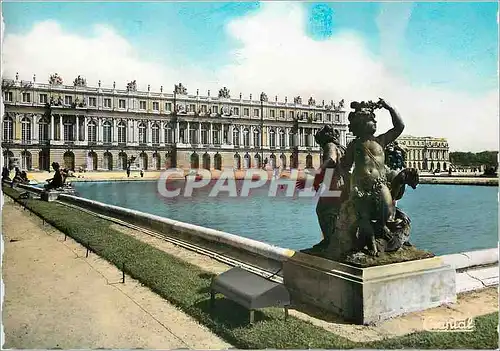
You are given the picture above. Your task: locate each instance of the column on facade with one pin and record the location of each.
(199, 133)
(210, 136)
(34, 127)
(77, 128)
(136, 131)
(149, 133)
(131, 134)
(115, 131)
(251, 130)
(287, 137)
(240, 128)
(230, 134)
(222, 128)
(162, 132)
(97, 129)
(177, 132)
(17, 127)
(61, 128)
(187, 138)
(85, 128)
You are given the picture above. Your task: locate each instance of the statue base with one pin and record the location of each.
(371, 294)
(363, 260)
(50, 195)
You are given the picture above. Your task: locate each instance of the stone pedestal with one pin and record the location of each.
(373, 294)
(50, 196)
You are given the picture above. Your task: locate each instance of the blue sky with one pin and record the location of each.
(437, 61)
(449, 44)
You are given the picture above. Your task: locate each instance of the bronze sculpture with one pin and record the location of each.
(328, 207)
(366, 216)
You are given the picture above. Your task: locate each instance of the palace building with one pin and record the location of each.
(423, 153)
(97, 128)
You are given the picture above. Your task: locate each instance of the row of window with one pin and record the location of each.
(423, 143)
(92, 102)
(433, 154)
(245, 162)
(69, 134)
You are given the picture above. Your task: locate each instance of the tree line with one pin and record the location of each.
(484, 158)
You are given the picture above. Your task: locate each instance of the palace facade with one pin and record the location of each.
(423, 153)
(97, 128)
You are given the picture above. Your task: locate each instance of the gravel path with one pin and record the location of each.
(57, 298)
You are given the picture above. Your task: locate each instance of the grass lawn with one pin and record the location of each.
(187, 287)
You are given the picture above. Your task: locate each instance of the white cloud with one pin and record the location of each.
(276, 56)
(104, 55)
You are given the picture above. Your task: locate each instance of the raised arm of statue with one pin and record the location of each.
(398, 125)
(329, 157)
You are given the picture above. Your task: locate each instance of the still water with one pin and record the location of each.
(445, 218)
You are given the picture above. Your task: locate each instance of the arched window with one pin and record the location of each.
(237, 161)
(26, 160)
(169, 134)
(195, 161)
(246, 138)
(107, 131)
(308, 135)
(142, 133)
(216, 134)
(218, 161)
(25, 129)
(92, 132)
(193, 134)
(122, 132)
(68, 129)
(282, 138)
(204, 134)
(155, 134)
(236, 137)
(8, 128)
(291, 138)
(272, 138)
(256, 137)
(309, 161)
(43, 129)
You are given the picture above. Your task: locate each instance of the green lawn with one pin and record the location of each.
(187, 287)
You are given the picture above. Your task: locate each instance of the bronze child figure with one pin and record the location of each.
(370, 192)
(328, 207)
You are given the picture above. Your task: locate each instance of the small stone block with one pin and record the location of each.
(49, 195)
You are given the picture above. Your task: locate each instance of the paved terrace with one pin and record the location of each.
(239, 174)
(57, 298)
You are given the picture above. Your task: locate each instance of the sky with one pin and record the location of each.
(436, 63)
